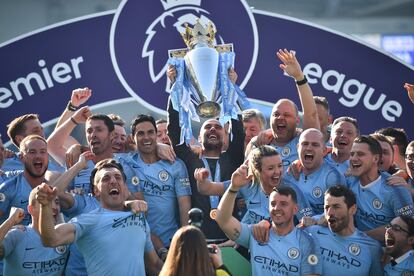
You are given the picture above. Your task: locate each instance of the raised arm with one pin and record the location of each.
(229, 224)
(15, 218)
(52, 236)
(79, 97)
(292, 67)
(410, 90)
(62, 183)
(56, 146)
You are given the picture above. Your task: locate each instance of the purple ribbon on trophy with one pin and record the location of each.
(202, 87)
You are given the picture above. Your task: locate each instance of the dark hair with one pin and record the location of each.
(160, 121)
(341, 190)
(17, 126)
(103, 164)
(350, 120)
(188, 254)
(410, 222)
(322, 101)
(286, 191)
(399, 135)
(140, 119)
(118, 121)
(102, 117)
(382, 138)
(373, 144)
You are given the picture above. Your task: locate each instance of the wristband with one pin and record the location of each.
(302, 82)
(232, 191)
(71, 107)
(74, 121)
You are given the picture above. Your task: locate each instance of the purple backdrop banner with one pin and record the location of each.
(124, 53)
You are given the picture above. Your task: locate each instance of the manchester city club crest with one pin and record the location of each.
(313, 259)
(61, 249)
(293, 253)
(285, 151)
(135, 180)
(377, 204)
(163, 175)
(317, 192)
(2, 197)
(143, 31)
(354, 249)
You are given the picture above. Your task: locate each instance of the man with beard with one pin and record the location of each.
(289, 251)
(284, 135)
(21, 247)
(378, 203)
(344, 249)
(15, 191)
(112, 240)
(409, 164)
(99, 130)
(220, 164)
(399, 244)
(316, 175)
(343, 132)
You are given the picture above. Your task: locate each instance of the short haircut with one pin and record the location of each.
(382, 138)
(22, 146)
(253, 113)
(323, 102)
(350, 120)
(341, 190)
(410, 145)
(118, 121)
(161, 121)
(373, 145)
(17, 126)
(410, 222)
(399, 135)
(286, 191)
(140, 119)
(107, 121)
(288, 101)
(104, 164)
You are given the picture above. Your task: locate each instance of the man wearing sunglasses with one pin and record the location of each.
(399, 244)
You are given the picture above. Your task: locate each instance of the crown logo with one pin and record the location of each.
(168, 4)
(199, 35)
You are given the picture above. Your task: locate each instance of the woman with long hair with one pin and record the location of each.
(189, 255)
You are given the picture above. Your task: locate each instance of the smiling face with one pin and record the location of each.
(110, 188)
(284, 121)
(282, 208)
(397, 240)
(252, 128)
(311, 148)
(342, 137)
(98, 137)
(119, 139)
(212, 133)
(362, 160)
(271, 171)
(146, 138)
(34, 157)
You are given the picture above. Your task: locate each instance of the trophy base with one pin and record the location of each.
(208, 109)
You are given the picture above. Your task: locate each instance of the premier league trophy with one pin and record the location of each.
(202, 87)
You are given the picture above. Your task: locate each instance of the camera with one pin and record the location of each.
(211, 249)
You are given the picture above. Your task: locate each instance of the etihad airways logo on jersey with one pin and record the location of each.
(275, 265)
(143, 31)
(155, 189)
(132, 220)
(333, 257)
(48, 266)
(373, 218)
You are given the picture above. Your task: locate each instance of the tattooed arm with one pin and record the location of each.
(229, 224)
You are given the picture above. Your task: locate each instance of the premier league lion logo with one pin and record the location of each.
(143, 31)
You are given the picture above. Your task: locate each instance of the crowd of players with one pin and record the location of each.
(321, 200)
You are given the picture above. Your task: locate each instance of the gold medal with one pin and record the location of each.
(213, 214)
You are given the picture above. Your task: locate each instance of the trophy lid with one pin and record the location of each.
(199, 35)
